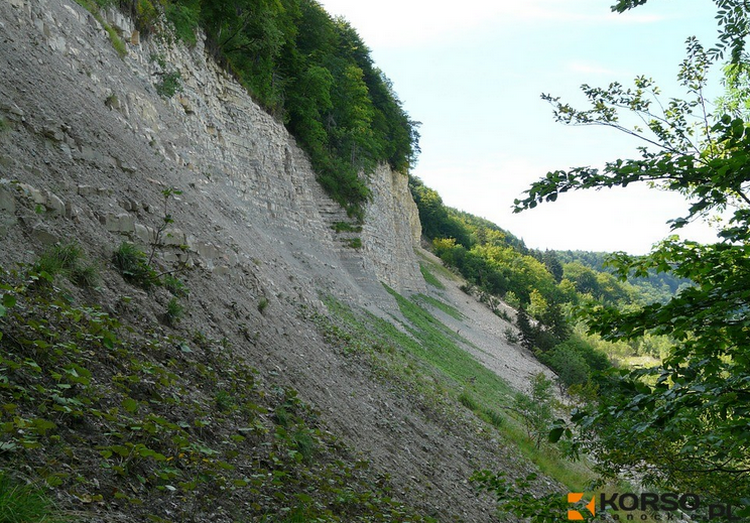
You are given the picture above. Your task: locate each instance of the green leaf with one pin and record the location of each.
(130, 405)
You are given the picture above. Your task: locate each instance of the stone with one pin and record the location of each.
(34, 194)
(54, 133)
(144, 234)
(86, 190)
(7, 207)
(54, 204)
(186, 105)
(119, 223)
(44, 236)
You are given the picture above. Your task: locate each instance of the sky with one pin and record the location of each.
(472, 72)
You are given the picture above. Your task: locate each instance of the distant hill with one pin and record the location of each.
(656, 287)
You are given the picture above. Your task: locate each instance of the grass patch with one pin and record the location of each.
(67, 259)
(468, 401)
(355, 243)
(21, 503)
(262, 304)
(439, 346)
(430, 278)
(481, 390)
(440, 305)
(346, 227)
(437, 267)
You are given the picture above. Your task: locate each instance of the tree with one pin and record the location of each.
(684, 425)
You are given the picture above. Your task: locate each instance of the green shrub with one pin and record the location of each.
(133, 265)
(493, 417)
(175, 285)
(175, 311)
(355, 243)
(169, 84)
(575, 361)
(346, 227)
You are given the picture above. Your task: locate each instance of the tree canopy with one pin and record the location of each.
(684, 425)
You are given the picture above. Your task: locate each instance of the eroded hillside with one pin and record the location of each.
(274, 379)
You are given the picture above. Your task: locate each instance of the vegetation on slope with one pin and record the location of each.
(547, 288)
(160, 427)
(429, 361)
(309, 70)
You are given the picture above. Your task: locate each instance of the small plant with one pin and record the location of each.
(134, 267)
(175, 285)
(4, 125)
(511, 336)
(536, 410)
(169, 85)
(223, 401)
(68, 260)
(112, 101)
(262, 304)
(493, 417)
(174, 313)
(166, 221)
(59, 258)
(517, 499)
(355, 243)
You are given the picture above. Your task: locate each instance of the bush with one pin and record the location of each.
(132, 263)
(175, 285)
(575, 361)
(169, 84)
(570, 366)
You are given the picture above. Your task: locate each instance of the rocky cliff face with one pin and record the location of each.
(101, 117)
